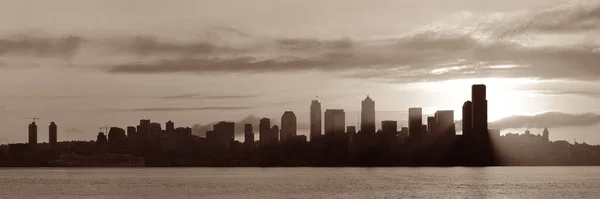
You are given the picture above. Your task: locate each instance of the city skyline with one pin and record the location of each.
(200, 62)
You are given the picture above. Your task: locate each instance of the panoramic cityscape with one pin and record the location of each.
(426, 141)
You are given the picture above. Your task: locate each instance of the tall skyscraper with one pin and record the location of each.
(432, 126)
(315, 119)
(264, 130)
(480, 112)
(273, 137)
(351, 130)
(467, 119)
(445, 123)
(248, 134)
(144, 129)
(367, 116)
(170, 127)
(335, 121)
(415, 123)
(32, 134)
(288, 126)
(52, 134)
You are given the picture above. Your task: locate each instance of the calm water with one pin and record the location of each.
(498, 182)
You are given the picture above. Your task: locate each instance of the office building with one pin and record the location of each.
(335, 121)
(431, 126)
(415, 123)
(248, 134)
(467, 119)
(288, 126)
(315, 119)
(52, 135)
(480, 109)
(367, 116)
(33, 134)
(445, 123)
(170, 127)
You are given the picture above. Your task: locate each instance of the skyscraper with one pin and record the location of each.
(415, 122)
(480, 112)
(315, 119)
(170, 127)
(273, 136)
(432, 126)
(32, 134)
(335, 121)
(467, 119)
(248, 134)
(367, 116)
(445, 123)
(224, 133)
(546, 134)
(52, 134)
(288, 126)
(264, 129)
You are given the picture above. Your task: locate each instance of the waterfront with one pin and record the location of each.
(453, 182)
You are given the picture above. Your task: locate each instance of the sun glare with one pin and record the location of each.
(503, 94)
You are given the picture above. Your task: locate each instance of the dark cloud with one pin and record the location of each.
(413, 58)
(564, 19)
(548, 119)
(208, 108)
(63, 47)
(149, 45)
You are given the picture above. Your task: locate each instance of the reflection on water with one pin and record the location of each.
(459, 182)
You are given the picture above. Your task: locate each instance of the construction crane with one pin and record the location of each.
(34, 118)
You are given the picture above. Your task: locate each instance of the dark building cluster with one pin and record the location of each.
(330, 143)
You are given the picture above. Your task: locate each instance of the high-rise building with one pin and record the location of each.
(248, 134)
(389, 127)
(52, 134)
(403, 132)
(445, 123)
(432, 126)
(367, 116)
(170, 127)
(480, 109)
(288, 126)
(144, 128)
(546, 134)
(155, 128)
(335, 121)
(415, 123)
(117, 138)
(467, 119)
(264, 130)
(131, 131)
(224, 133)
(32, 134)
(315, 119)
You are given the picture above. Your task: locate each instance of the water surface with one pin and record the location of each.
(458, 182)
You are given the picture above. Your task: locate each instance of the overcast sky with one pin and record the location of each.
(86, 64)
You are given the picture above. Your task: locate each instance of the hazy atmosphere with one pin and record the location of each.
(87, 64)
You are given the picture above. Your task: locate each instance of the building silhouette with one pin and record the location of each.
(445, 123)
(248, 134)
(264, 129)
(335, 121)
(52, 135)
(432, 126)
(315, 119)
(33, 134)
(546, 134)
(117, 139)
(170, 127)
(389, 127)
(467, 119)
(288, 126)
(415, 123)
(223, 133)
(367, 116)
(351, 129)
(480, 112)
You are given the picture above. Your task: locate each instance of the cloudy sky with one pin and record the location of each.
(86, 64)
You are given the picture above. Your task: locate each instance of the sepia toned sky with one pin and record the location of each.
(86, 64)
